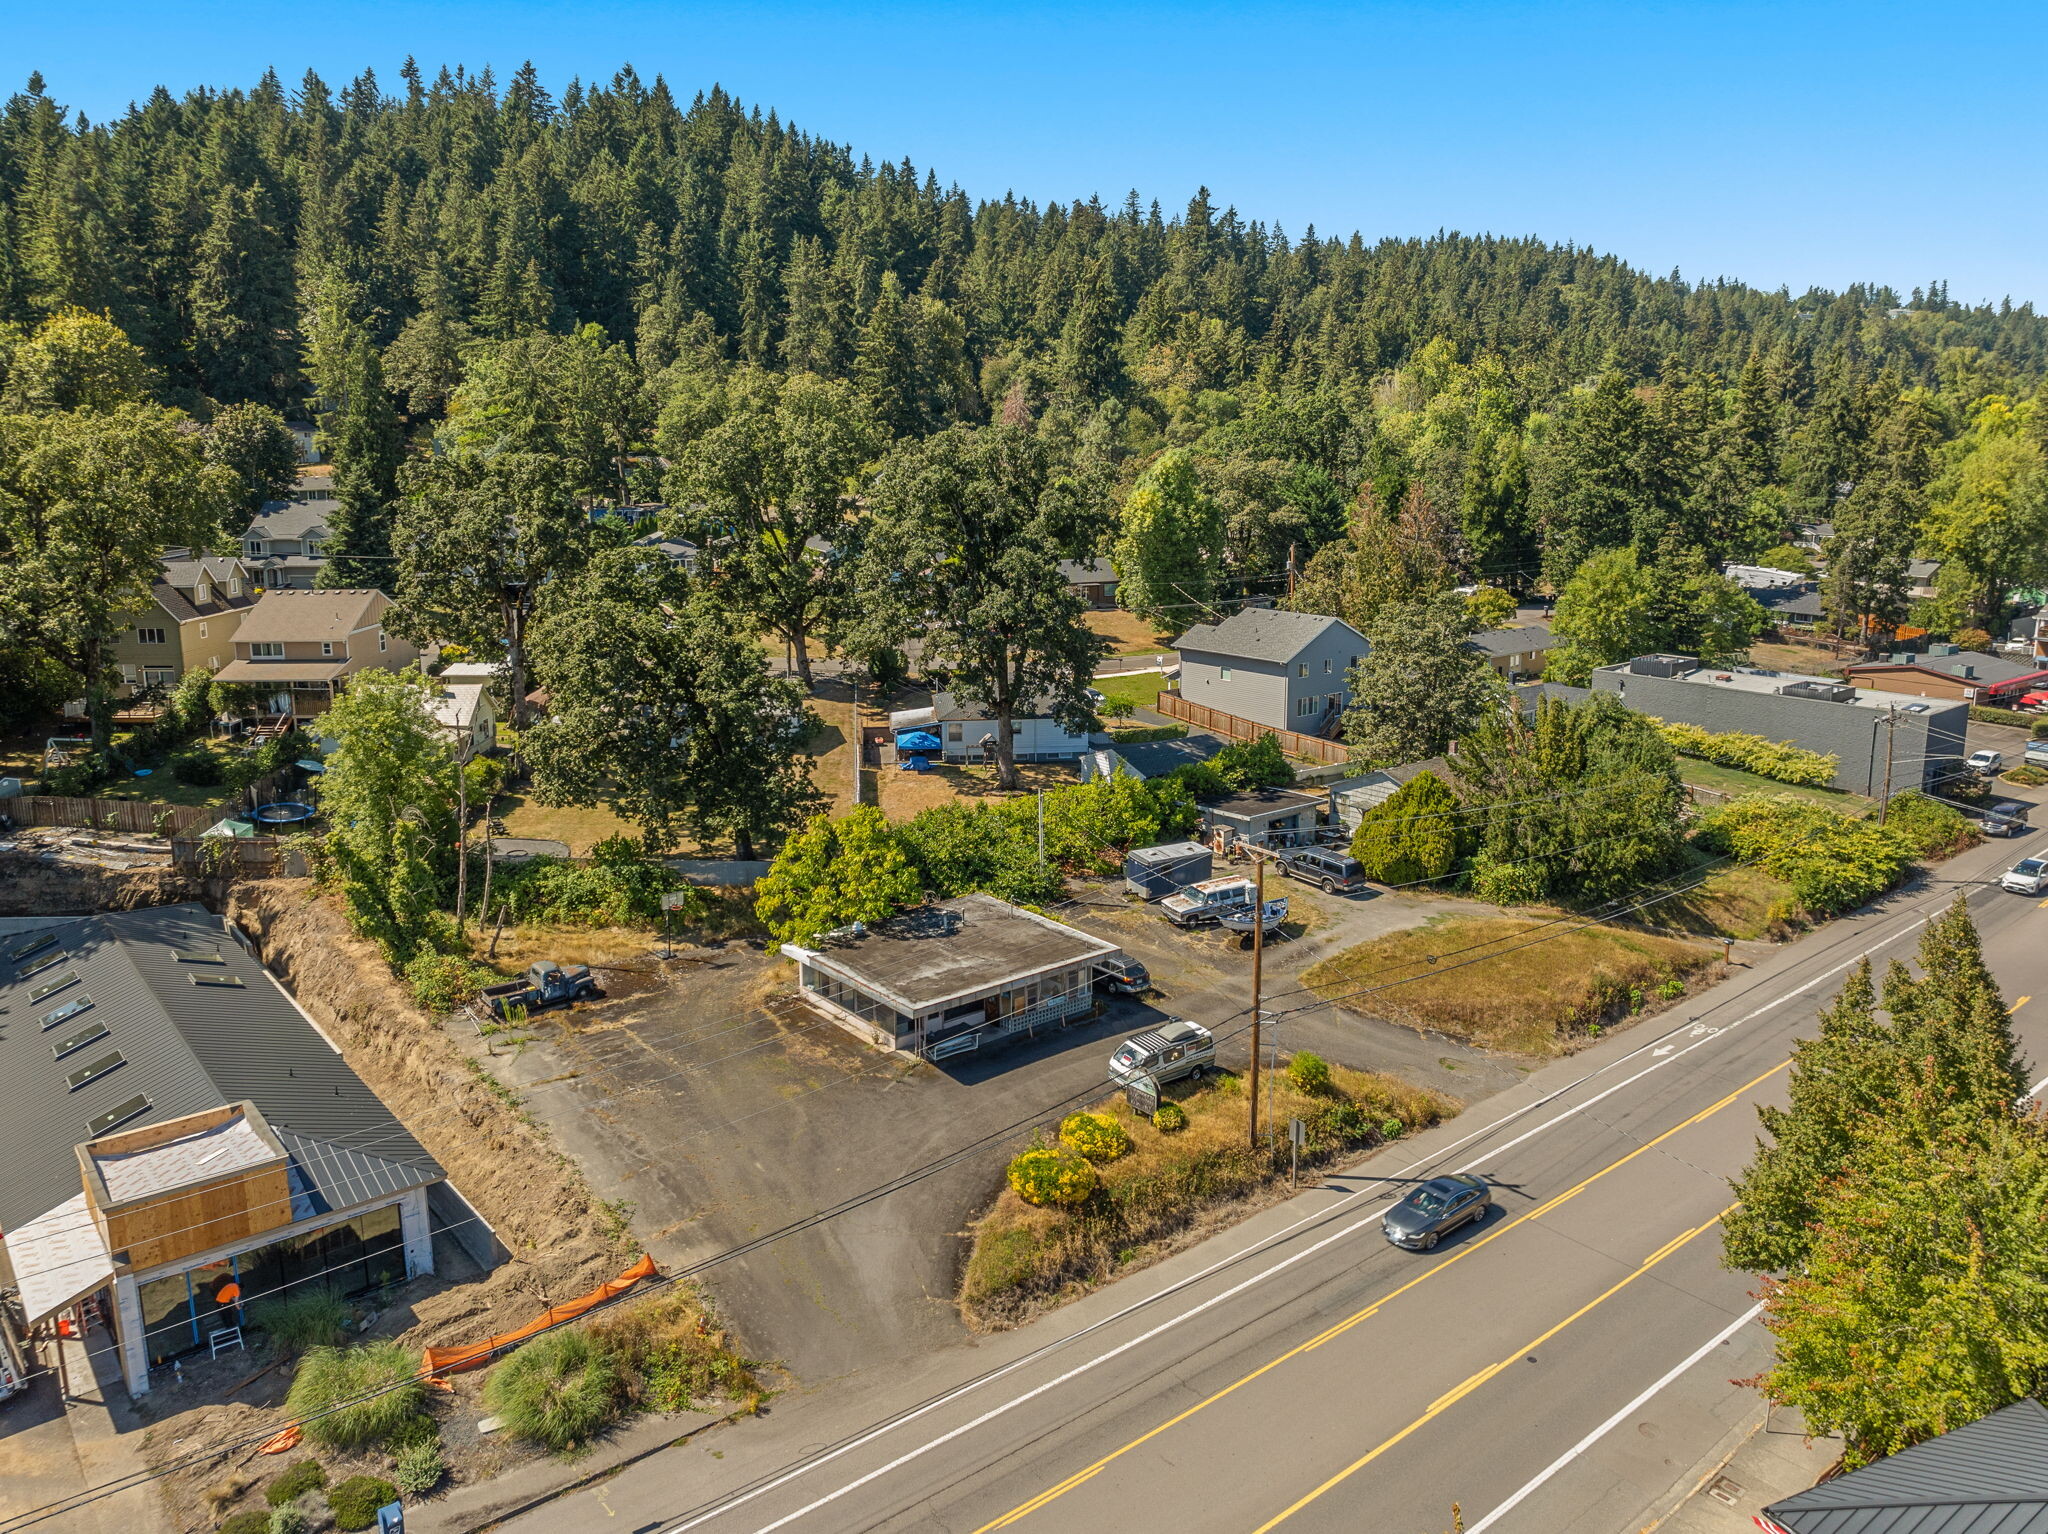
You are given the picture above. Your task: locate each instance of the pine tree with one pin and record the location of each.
(1421, 684)
(885, 362)
(241, 304)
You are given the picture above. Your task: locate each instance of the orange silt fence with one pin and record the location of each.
(442, 1361)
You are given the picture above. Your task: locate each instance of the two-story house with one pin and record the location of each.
(301, 647)
(195, 606)
(284, 542)
(1285, 671)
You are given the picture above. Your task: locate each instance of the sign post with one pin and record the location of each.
(1142, 1093)
(1297, 1136)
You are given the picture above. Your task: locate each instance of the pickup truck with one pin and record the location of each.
(547, 984)
(1204, 902)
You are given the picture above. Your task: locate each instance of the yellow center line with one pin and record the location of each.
(1443, 1403)
(1024, 1509)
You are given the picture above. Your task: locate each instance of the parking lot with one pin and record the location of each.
(719, 1107)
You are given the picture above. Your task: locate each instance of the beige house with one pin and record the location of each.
(303, 645)
(195, 607)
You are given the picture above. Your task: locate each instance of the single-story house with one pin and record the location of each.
(1813, 536)
(1515, 652)
(967, 731)
(464, 707)
(1869, 734)
(1790, 607)
(1350, 798)
(1986, 1477)
(1280, 670)
(1095, 579)
(1271, 817)
(1943, 671)
(181, 1143)
(959, 975)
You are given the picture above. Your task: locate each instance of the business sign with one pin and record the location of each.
(1142, 1093)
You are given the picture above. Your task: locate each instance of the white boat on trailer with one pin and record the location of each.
(1240, 920)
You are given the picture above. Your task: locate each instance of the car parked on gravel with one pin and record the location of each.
(1336, 872)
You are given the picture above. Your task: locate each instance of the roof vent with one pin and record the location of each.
(1820, 692)
(1662, 665)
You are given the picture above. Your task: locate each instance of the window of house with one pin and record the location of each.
(235, 587)
(380, 640)
(953, 733)
(203, 597)
(1301, 669)
(156, 676)
(149, 636)
(1222, 673)
(202, 631)
(1355, 660)
(326, 648)
(253, 548)
(1329, 665)
(1305, 705)
(1333, 700)
(267, 649)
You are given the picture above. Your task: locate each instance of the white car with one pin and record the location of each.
(1986, 761)
(2029, 876)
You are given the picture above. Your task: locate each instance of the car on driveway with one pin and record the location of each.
(1337, 872)
(2029, 876)
(1435, 1209)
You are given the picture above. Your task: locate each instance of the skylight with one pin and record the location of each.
(91, 1033)
(64, 1014)
(92, 1070)
(33, 945)
(200, 956)
(114, 1117)
(226, 982)
(52, 987)
(37, 966)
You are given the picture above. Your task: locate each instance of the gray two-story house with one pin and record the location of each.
(283, 546)
(1285, 671)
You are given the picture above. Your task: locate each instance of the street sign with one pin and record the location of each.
(1142, 1093)
(391, 1518)
(1297, 1132)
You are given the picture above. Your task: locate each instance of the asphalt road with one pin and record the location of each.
(1563, 1367)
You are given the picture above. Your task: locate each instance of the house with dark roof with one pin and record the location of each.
(1285, 671)
(1989, 1477)
(180, 1141)
(1515, 652)
(1944, 671)
(195, 606)
(1095, 579)
(284, 542)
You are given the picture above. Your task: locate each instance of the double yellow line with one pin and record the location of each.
(1025, 1509)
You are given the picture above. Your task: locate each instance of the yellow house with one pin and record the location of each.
(195, 607)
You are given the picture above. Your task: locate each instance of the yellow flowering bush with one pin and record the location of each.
(1096, 1136)
(1049, 1178)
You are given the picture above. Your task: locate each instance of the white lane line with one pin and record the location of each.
(1617, 1419)
(1707, 1037)
(2043, 1082)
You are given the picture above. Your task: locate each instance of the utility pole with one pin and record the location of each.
(1290, 571)
(461, 841)
(1258, 961)
(1891, 734)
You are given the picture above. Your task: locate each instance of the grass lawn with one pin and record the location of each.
(1140, 690)
(1128, 634)
(582, 829)
(1734, 901)
(1733, 780)
(1025, 1258)
(902, 794)
(1530, 999)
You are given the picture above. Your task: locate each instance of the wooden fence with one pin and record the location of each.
(134, 817)
(1234, 727)
(248, 857)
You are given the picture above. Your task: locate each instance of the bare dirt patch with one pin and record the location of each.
(902, 794)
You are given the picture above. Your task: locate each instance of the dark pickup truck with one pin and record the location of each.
(547, 984)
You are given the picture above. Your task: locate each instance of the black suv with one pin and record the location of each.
(1337, 872)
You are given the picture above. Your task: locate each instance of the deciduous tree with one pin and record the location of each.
(1169, 546)
(1421, 684)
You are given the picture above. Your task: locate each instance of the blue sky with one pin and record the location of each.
(1795, 143)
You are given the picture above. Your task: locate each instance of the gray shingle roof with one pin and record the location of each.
(185, 1047)
(1792, 601)
(1990, 1477)
(1982, 668)
(290, 519)
(1263, 633)
(1528, 638)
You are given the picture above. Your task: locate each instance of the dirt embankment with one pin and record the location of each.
(31, 887)
(494, 1155)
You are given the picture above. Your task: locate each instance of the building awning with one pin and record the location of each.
(58, 1259)
(264, 673)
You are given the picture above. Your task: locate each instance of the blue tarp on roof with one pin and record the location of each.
(918, 740)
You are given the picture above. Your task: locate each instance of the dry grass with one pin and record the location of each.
(1806, 659)
(1129, 634)
(903, 794)
(1735, 901)
(1172, 1185)
(582, 829)
(1534, 999)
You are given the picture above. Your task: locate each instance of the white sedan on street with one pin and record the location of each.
(2029, 876)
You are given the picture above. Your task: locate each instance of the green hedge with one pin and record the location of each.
(1832, 862)
(2017, 718)
(1771, 759)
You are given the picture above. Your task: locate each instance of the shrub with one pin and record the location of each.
(1049, 1179)
(1253, 764)
(356, 1500)
(560, 1390)
(328, 1376)
(441, 982)
(667, 1356)
(2027, 776)
(620, 885)
(289, 1519)
(416, 1469)
(1984, 714)
(1935, 829)
(1752, 753)
(250, 1520)
(1971, 639)
(1502, 882)
(1309, 1073)
(1201, 780)
(198, 768)
(1170, 1118)
(1833, 863)
(1411, 837)
(307, 1318)
(2038, 729)
(298, 1479)
(1094, 1136)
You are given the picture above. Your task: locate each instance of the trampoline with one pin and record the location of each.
(282, 812)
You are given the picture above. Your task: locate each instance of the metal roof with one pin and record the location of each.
(1990, 1477)
(185, 1047)
(1264, 633)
